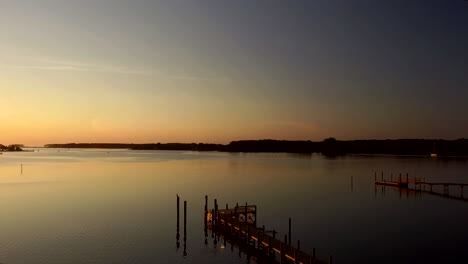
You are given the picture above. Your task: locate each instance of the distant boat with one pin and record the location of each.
(434, 155)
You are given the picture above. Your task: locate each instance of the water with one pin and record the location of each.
(118, 206)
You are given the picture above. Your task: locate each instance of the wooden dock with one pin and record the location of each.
(239, 225)
(420, 184)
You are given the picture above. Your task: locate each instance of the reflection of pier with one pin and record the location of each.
(238, 226)
(419, 186)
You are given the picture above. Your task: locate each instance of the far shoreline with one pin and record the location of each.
(438, 148)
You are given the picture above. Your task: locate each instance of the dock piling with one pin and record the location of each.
(185, 228)
(289, 233)
(177, 234)
(185, 220)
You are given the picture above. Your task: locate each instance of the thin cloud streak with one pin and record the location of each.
(47, 64)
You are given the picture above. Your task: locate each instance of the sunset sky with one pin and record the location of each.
(223, 70)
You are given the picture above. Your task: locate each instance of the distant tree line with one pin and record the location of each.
(15, 147)
(329, 146)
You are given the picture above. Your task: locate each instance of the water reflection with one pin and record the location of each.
(119, 207)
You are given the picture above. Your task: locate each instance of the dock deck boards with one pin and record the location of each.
(227, 221)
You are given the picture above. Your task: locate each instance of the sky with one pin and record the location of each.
(214, 71)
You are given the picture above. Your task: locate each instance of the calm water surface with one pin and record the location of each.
(118, 206)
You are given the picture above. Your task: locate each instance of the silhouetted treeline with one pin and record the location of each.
(16, 147)
(147, 146)
(91, 145)
(328, 146)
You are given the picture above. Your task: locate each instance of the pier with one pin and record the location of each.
(422, 186)
(238, 226)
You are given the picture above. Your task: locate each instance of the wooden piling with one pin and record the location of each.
(178, 200)
(246, 212)
(282, 253)
(178, 234)
(185, 221)
(269, 247)
(215, 212)
(299, 245)
(330, 260)
(289, 233)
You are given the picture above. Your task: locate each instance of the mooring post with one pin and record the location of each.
(330, 260)
(178, 234)
(298, 245)
(407, 178)
(375, 176)
(246, 213)
(269, 246)
(255, 214)
(206, 203)
(185, 221)
(227, 206)
(178, 200)
(215, 220)
(289, 233)
(313, 253)
(281, 253)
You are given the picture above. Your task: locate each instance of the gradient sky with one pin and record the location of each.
(216, 71)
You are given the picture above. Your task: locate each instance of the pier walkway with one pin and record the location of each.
(239, 224)
(420, 184)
